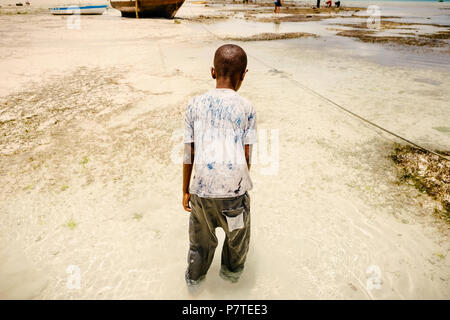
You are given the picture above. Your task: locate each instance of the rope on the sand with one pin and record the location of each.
(315, 93)
(364, 119)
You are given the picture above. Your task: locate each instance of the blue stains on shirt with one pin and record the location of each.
(218, 122)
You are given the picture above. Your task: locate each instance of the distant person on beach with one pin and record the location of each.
(277, 6)
(220, 129)
(328, 3)
(318, 3)
(337, 4)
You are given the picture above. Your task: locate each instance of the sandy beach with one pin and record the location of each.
(90, 140)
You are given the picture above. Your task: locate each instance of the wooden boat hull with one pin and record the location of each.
(148, 8)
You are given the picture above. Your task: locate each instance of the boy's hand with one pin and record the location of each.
(186, 197)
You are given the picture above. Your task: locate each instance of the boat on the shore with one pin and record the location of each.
(77, 9)
(147, 8)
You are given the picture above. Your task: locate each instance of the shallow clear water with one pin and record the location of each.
(387, 55)
(398, 87)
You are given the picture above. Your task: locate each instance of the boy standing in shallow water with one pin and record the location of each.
(220, 129)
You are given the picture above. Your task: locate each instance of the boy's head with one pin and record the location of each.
(230, 63)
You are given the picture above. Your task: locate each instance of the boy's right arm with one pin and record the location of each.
(188, 156)
(188, 161)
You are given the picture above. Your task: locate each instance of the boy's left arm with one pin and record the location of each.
(250, 137)
(248, 154)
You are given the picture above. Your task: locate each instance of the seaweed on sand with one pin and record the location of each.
(205, 18)
(427, 172)
(387, 24)
(294, 18)
(273, 36)
(370, 37)
(441, 35)
(365, 34)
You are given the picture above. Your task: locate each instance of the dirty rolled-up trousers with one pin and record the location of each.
(233, 216)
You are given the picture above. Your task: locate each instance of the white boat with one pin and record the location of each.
(77, 9)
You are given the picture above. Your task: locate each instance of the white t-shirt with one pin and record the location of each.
(219, 123)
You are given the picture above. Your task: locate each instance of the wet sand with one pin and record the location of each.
(90, 132)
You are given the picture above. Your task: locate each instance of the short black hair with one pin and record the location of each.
(229, 60)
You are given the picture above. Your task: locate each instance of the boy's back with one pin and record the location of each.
(219, 123)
